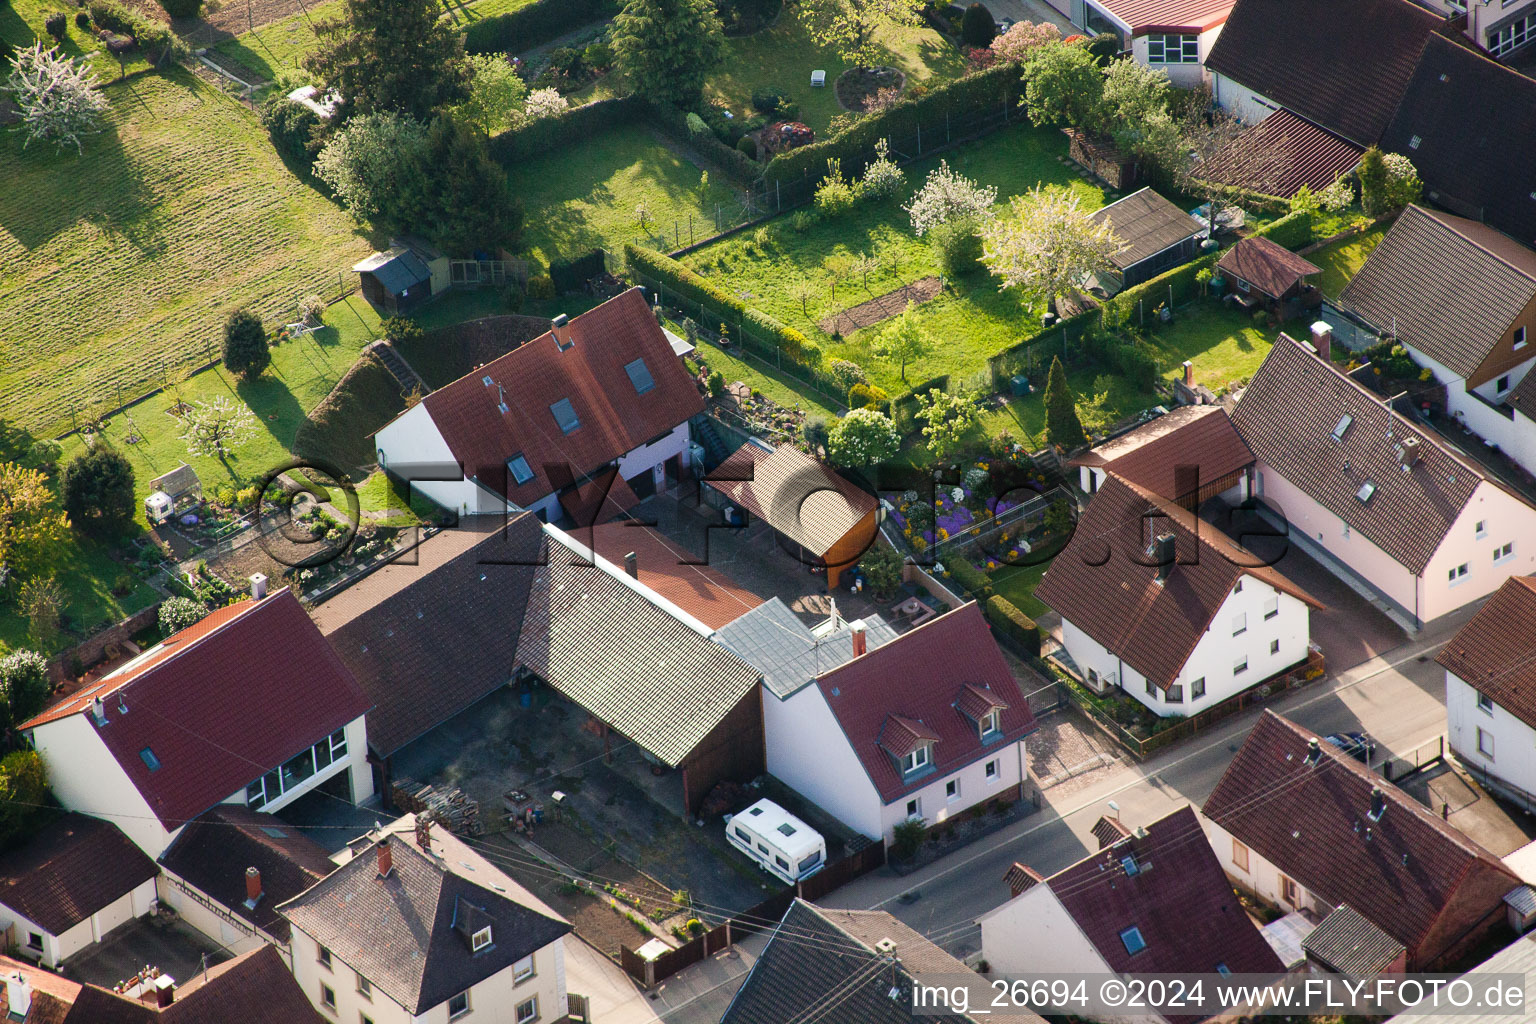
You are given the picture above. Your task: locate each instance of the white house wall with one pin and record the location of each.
(1260, 877)
(1251, 107)
(1185, 76)
(412, 446)
(974, 788)
(1515, 435)
(85, 777)
(1513, 756)
(654, 456)
(808, 752)
(83, 934)
(235, 934)
(355, 763)
(1509, 520)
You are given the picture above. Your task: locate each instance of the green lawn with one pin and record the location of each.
(21, 22)
(970, 320)
(1017, 584)
(275, 48)
(89, 574)
(119, 262)
(1222, 342)
(1343, 259)
(783, 57)
(779, 387)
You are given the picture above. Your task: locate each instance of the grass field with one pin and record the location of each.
(1343, 259)
(21, 22)
(119, 262)
(276, 48)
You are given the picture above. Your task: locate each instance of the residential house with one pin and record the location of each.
(1154, 235)
(1371, 494)
(1168, 608)
(228, 870)
(899, 731)
(1175, 36)
(253, 988)
(1461, 298)
(1499, 29)
(74, 880)
(867, 957)
(1490, 690)
(1199, 438)
(418, 927)
(1469, 125)
(1152, 901)
(249, 706)
(600, 391)
(1306, 827)
(821, 516)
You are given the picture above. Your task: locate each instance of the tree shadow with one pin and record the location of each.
(278, 412)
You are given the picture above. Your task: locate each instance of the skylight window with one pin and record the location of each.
(1366, 490)
(565, 415)
(518, 466)
(1343, 427)
(1134, 943)
(150, 760)
(640, 376)
(787, 829)
(1130, 865)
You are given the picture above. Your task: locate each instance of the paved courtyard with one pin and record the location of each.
(174, 947)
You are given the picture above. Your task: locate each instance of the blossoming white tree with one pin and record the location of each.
(864, 437)
(946, 197)
(1023, 37)
(544, 103)
(1046, 244)
(218, 427)
(56, 95)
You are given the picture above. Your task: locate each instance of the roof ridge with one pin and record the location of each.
(1440, 219)
(892, 643)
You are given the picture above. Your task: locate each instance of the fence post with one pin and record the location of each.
(919, 139)
(946, 126)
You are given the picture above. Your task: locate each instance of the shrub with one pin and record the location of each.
(541, 286)
(23, 794)
(716, 384)
(908, 836)
(968, 576)
(151, 36)
(598, 56)
(881, 566)
(55, 24)
(883, 179)
(978, 27)
(181, 8)
(864, 437)
(835, 196)
(847, 373)
(293, 130)
(402, 328)
(766, 101)
(1104, 47)
(865, 396)
(957, 245)
(1014, 624)
(179, 613)
(24, 684)
(748, 145)
(802, 221)
(245, 344)
(83, 19)
(534, 25)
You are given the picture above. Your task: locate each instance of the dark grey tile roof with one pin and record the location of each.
(774, 640)
(399, 932)
(1146, 224)
(1348, 943)
(404, 270)
(1448, 286)
(70, 869)
(816, 955)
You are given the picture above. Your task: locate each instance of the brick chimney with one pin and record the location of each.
(859, 642)
(386, 858)
(632, 564)
(165, 991)
(252, 886)
(1189, 373)
(1322, 339)
(424, 834)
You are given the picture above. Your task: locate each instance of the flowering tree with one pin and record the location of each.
(945, 418)
(864, 437)
(544, 103)
(1017, 42)
(1047, 244)
(56, 95)
(371, 161)
(849, 26)
(945, 197)
(218, 427)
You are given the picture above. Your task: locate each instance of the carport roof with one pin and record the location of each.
(800, 497)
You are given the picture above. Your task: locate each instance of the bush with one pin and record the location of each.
(835, 196)
(181, 8)
(716, 384)
(534, 25)
(978, 27)
(847, 373)
(573, 275)
(23, 795)
(24, 684)
(598, 56)
(179, 613)
(767, 101)
(83, 19)
(969, 577)
(881, 566)
(748, 145)
(293, 129)
(152, 37)
(245, 345)
(541, 286)
(55, 24)
(957, 245)
(908, 837)
(401, 328)
(1104, 47)
(1014, 624)
(97, 490)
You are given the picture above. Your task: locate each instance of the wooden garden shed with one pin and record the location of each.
(1155, 236)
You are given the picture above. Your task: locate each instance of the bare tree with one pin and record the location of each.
(1218, 153)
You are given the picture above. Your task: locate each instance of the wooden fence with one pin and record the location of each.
(759, 918)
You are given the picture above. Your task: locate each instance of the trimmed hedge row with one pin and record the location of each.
(971, 578)
(535, 25)
(1014, 624)
(999, 85)
(674, 121)
(148, 33)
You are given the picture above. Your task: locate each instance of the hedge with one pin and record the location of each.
(1001, 85)
(147, 33)
(571, 275)
(535, 25)
(1014, 624)
(674, 121)
(968, 576)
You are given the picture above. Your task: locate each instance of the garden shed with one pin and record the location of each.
(1265, 273)
(1154, 235)
(403, 276)
(825, 517)
(171, 491)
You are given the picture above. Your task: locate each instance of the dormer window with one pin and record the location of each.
(480, 940)
(919, 758)
(991, 722)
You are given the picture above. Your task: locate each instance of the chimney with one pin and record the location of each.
(258, 585)
(424, 834)
(386, 858)
(1378, 803)
(1314, 751)
(165, 991)
(1163, 551)
(1322, 340)
(18, 994)
(1408, 452)
(99, 710)
(560, 328)
(859, 642)
(1189, 373)
(252, 886)
(632, 564)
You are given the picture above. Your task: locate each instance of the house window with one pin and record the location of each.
(1271, 607)
(1093, 677)
(1239, 588)
(1242, 285)
(1240, 665)
(781, 862)
(1485, 743)
(1485, 703)
(1503, 552)
(1512, 36)
(915, 807)
(993, 770)
(1458, 574)
(991, 722)
(34, 940)
(324, 956)
(1134, 943)
(522, 970)
(1223, 970)
(1173, 49)
(518, 466)
(1482, 528)
(1519, 338)
(1503, 384)
(1288, 891)
(1240, 624)
(458, 1005)
(480, 940)
(364, 989)
(153, 763)
(327, 996)
(1274, 647)
(1151, 689)
(1197, 689)
(528, 1011)
(1239, 856)
(1176, 694)
(565, 416)
(640, 376)
(915, 760)
(952, 789)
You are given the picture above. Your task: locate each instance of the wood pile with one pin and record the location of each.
(449, 806)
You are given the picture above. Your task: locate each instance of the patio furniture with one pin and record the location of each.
(818, 79)
(915, 610)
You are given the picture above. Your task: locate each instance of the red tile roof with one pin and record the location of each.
(1414, 876)
(1179, 898)
(1191, 435)
(800, 497)
(917, 677)
(702, 591)
(220, 704)
(599, 500)
(614, 419)
(70, 869)
(1109, 831)
(1101, 585)
(1271, 268)
(1495, 652)
(1169, 15)
(52, 995)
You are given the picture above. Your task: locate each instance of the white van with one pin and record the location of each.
(779, 842)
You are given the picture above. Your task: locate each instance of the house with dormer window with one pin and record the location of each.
(903, 730)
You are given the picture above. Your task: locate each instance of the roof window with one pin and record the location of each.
(565, 415)
(1343, 427)
(787, 829)
(519, 468)
(1366, 490)
(1134, 943)
(150, 760)
(640, 376)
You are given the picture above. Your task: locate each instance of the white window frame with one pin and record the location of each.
(993, 770)
(1484, 703)
(1482, 529)
(327, 996)
(1274, 647)
(1458, 575)
(523, 970)
(1271, 607)
(1501, 385)
(991, 722)
(1239, 623)
(1485, 743)
(951, 791)
(480, 940)
(1504, 552)
(915, 808)
(531, 1005)
(364, 987)
(1519, 336)
(916, 760)
(1182, 47)
(1197, 689)
(323, 957)
(1512, 36)
(1175, 693)
(1240, 665)
(455, 1015)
